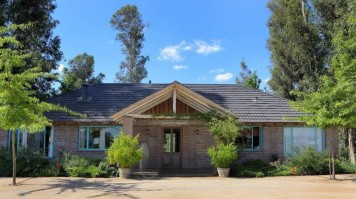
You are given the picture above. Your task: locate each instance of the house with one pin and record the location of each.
(158, 112)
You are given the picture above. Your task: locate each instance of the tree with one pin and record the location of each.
(128, 22)
(37, 38)
(298, 58)
(335, 103)
(248, 78)
(81, 69)
(19, 108)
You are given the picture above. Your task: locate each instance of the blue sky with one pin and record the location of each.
(200, 41)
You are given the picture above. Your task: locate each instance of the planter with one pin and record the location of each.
(124, 172)
(223, 172)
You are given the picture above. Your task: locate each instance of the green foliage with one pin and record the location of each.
(18, 107)
(81, 69)
(77, 166)
(345, 167)
(309, 161)
(222, 155)
(29, 164)
(125, 151)
(334, 104)
(106, 170)
(37, 38)
(259, 168)
(128, 22)
(248, 78)
(297, 54)
(224, 129)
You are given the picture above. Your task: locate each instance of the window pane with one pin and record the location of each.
(94, 138)
(110, 134)
(97, 137)
(167, 140)
(244, 140)
(301, 137)
(256, 138)
(83, 138)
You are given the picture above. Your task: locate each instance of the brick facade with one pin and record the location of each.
(193, 144)
(272, 137)
(66, 139)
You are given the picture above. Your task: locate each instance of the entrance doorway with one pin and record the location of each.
(171, 148)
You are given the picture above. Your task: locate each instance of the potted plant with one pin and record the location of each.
(125, 152)
(222, 156)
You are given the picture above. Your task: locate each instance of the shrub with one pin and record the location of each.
(345, 167)
(309, 162)
(106, 170)
(5, 163)
(77, 166)
(125, 151)
(28, 163)
(222, 155)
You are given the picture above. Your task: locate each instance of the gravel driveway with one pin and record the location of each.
(181, 187)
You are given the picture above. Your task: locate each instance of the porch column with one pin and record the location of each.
(128, 125)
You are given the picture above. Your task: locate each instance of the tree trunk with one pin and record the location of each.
(303, 11)
(13, 143)
(351, 147)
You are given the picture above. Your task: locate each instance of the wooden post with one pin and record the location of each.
(351, 146)
(330, 165)
(174, 98)
(13, 143)
(333, 159)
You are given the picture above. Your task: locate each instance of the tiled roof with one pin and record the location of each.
(103, 100)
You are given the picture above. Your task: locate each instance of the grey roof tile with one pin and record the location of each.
(106, 99)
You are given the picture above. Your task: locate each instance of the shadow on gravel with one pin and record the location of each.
(101, 188)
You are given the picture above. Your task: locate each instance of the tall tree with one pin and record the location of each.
(247, 77)
(335, 103)
(128, 22)
(19, 109)
(81, 69)
(38, 38)
(298, 58)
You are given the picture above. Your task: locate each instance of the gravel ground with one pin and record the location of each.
(181, 187)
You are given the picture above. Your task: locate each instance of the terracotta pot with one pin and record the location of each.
(223, 172)
(124, 172)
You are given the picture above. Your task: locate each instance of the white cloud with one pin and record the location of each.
(266, 80)
(179, 67)
(218, 70)
(223, 77)
(173, 53)
(59, 69)
(202, 47)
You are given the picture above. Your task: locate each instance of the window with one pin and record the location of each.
(40, 141)
(250, 138)
(97, 137)
(301, 137)
(18, 139)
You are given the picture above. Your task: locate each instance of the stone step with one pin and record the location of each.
(146, 174)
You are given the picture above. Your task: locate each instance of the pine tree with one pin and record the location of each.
(128, 22)
(298, 58)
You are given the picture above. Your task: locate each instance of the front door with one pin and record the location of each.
(171, 147)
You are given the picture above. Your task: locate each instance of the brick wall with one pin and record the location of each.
(272, 137)
(66, 138)
(128, 125)
(193, 145)
(3, 138)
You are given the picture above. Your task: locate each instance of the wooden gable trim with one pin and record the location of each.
(184, 94)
